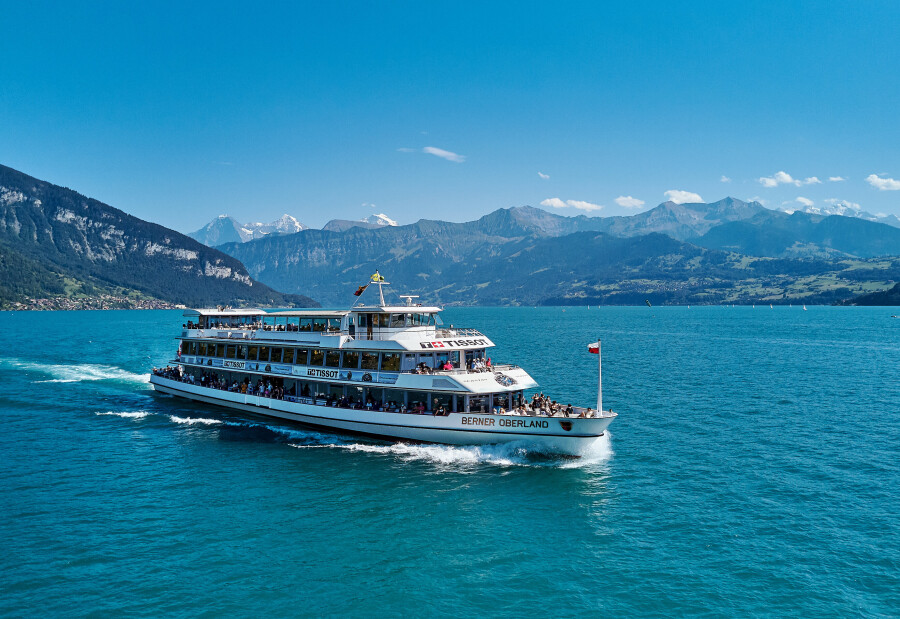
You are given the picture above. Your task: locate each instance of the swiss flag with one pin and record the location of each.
(594, 348)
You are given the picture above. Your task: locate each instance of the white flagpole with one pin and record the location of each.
(599, 380)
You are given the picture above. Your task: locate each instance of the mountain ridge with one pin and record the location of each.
(84, 244)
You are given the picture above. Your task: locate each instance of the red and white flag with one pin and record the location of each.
(594, 348)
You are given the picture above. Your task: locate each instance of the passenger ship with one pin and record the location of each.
(387, 371)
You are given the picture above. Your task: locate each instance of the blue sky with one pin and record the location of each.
(179, 112)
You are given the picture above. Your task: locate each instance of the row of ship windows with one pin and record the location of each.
(350, 359)
(431, 400)
(293, 323)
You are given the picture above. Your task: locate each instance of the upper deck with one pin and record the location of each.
(387, 327)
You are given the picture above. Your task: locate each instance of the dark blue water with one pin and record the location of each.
(753, 470)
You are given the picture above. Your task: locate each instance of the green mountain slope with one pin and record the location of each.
(774, 233)
(56, 241)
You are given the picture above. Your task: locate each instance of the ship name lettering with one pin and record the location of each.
(477, 421)
(524, 423)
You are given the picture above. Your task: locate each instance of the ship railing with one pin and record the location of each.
(449, 332)
(500, 367)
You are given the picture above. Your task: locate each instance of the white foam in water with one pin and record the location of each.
(195, 420)
(506, 454)
(63, 373)
(126, 414)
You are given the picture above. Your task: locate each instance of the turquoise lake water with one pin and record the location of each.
(754, 469)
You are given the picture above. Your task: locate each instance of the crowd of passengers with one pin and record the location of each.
(540, 404)
(268, 390)
(473, 365)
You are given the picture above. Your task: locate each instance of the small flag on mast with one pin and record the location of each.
(359, 290)
(594, 348)
(377, 277)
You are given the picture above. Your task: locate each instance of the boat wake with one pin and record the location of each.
(195, 420)
(461, 458)
(470, 457)
(73, 373)
(125, 414)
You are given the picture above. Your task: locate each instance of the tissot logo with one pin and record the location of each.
(454, 343)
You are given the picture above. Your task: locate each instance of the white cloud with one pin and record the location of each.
(543, 176)
(783, 178)
(406, 150)
(836, 179)
(584, 206)
(679, 196)
(629, 202)
(444, 154)
(759, 199)
(779, 178)
(804, 201)
(725, 179)
(579, 204)
(554, 202)
(883, 184)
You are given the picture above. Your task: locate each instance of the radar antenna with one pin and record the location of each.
(409, 298)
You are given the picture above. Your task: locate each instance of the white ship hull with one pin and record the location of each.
(548, 434)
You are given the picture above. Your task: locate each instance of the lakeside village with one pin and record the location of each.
(98, 302)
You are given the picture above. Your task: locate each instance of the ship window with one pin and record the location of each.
(229, 351)
(302, 354)
(334, 324)
(318, 324)
(361, 320)
(316, 357)
(332, 358)
(201, 349)
(441, 359)
(263, 353)
(442, 399)
(381, 320)
(390, 362)
(294, 322)
(393, 398)
(369, 360)
(253, 353)
(288, 355)
(479, 403)
(268, 321)
(397, 320)
(437, 320)
(306, 324)
(419, 397)
(241, 351)
(350, 359)
(501, 399)
(275, 355)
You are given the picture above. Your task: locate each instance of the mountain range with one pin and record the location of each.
(224, 229)
(57, 242)
(725, 251)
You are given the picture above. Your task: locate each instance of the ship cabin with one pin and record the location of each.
(347, 353)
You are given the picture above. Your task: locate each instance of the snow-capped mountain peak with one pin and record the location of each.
(379, 219)
(845, 209)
